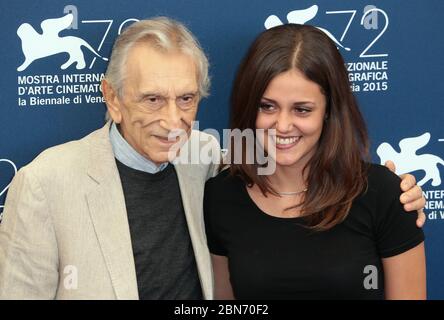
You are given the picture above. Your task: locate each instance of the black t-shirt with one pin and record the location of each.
(278, 258)
(163, 255)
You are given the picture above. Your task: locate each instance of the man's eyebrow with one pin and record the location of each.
(155, 93)
(193, 93)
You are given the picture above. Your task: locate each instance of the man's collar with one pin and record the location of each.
(127, 155)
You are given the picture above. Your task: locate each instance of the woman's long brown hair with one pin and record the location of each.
(338, 170)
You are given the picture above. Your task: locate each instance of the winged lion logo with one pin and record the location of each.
(41, 45)
(408, 161)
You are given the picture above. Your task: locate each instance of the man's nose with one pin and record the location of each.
(173, 116)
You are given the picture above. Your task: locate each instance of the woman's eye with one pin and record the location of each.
(266, 107)
(302, 110)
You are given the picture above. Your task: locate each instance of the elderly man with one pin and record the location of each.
(110, 216)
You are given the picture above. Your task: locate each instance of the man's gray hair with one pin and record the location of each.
(161, 33)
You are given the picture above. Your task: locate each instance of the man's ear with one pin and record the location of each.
(112, 101)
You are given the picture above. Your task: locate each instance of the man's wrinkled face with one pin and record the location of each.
(159, 98)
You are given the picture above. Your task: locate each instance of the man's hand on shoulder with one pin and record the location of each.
(412, 197)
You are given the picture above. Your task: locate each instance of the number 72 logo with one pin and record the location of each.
(369, 20)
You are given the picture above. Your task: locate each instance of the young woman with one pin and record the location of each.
(326, 224)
